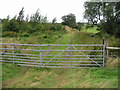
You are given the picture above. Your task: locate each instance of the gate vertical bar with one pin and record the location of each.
(103, 55)
(71, 50)
(107, 51)
(13, 53)
(40, 56)
(104, 52)
(71, 54)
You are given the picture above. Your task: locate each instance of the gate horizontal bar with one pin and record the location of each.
(48, 64)
(67, 67)
(53, 44)
(51, 50)
(54, 66)
(11, 59)
(19, 59)
(74, 61)
(75, 64)
(19, 62)
(76, 58)
(77, 55)
(49, 58)
(19, 54)
(54, 55)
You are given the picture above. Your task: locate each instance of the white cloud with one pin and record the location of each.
(51, 8)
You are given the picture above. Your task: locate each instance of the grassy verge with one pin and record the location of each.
(63, 78)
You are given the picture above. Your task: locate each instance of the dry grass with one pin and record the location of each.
(112, 62)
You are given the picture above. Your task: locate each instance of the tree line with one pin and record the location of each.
(105, 15)
(35, 23)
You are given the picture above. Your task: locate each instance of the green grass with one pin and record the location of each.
(90, 30)
(61, 78)
(31, 77)
(11, 71)
(66, 38)
(85, 38)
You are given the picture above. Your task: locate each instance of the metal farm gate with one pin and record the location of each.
(53, 56)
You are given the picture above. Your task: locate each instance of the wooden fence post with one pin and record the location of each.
(104, 52)
(107, 44)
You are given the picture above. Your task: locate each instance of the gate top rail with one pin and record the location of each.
(53, 44)
(51, 50)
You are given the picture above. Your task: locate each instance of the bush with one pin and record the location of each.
(11, 25)
(52, 27)
(25, 34)
(10, 34)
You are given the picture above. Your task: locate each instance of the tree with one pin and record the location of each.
(32, 18)
(21, 15)
(37, 16)
(11, 25)
(8, 17)
(44, 19)
(27, 18)
(54, 20)
(15, 17)
(69, 20)
(106, 15)
(92, 12)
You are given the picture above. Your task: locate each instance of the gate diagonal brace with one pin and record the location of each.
(56, 56)
(88, 57)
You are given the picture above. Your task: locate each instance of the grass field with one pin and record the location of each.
(31, 77)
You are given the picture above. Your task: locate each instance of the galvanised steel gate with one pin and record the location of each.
(54, 56)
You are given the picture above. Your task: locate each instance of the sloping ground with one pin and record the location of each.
(60, 78)
(30, 77)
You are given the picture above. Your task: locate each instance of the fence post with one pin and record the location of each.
(104, 52)
(40, 57)
(107, 44)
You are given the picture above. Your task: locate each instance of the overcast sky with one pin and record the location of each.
(50, 8)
